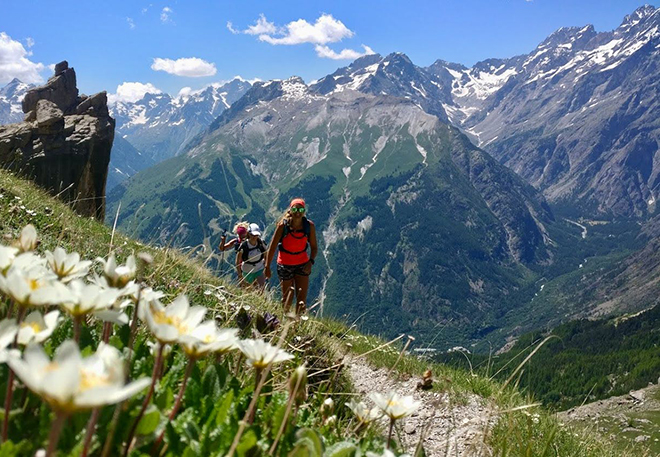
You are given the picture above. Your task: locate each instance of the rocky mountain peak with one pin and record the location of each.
(641, 14)
(64, 143)
(568, 39)
(60, 89)
(365, 61)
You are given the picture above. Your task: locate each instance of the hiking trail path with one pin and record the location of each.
(449, 427)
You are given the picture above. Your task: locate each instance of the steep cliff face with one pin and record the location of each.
(64, 142)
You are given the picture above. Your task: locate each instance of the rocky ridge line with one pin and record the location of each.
(64, 142)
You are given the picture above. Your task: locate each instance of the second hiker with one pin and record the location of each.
(250, 258)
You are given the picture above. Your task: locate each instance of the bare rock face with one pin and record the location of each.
(64, 142)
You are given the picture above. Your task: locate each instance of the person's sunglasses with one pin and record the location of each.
(297, 210)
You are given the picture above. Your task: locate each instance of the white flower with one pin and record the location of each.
(37, 328)
(8, 329)
(29, 260)
(70, 383)
(363, 413)
(394, 405)
(7, 255)
(88, 298)
(27, 241)
(32, 287)
(169, 323)
(328, 406)
(118, 275)
(206, 338)
(67, 266)
(260, 354)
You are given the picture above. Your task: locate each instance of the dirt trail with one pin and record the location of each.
(449, 428)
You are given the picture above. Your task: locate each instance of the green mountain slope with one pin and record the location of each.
(206, 426)
(419, 228)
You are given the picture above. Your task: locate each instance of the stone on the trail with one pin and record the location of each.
(637, 396)
(410, 428)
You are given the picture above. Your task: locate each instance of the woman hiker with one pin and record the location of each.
(294, 234)
(250, 259)
(240, 230)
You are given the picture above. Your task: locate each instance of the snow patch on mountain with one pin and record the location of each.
(11, 97)
(481, 84)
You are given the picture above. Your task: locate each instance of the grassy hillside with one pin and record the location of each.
(221, 391)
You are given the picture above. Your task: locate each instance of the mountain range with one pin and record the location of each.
(160, 125)
(441, 230)
(149, 130)
(421, 228)
(577, 117)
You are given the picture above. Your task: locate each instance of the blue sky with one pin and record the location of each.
(110, 43)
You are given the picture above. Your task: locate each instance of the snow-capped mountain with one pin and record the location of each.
(578, 117)
(11, 97)
(161, 125)
(377, 171)
(393, 75)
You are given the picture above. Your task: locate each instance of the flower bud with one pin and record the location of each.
(327, 407)
(27, 241)
(298, 384)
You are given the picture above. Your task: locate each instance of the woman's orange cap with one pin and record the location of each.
(297, 201)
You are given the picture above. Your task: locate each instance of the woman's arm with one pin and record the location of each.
(312, 241)
(224, 247)
(312, 247)
(270, 254)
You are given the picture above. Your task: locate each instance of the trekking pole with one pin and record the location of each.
(222, 252)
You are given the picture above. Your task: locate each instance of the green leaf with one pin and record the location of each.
(116, 342)
(165, 399)
(210, 381)
(301, 450)
(342, 449)
(9, 449)
(149, 421)
(248, 441)
(223, 409)
(316, 444)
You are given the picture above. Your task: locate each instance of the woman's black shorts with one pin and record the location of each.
(287, 272)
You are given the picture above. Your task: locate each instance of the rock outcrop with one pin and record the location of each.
(64, 142)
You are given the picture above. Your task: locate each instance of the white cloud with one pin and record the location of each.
(131, 23)
(165, 14)
(29, 42)
(262, 26)
(251, 81)
(189, 66)
(345, 54)
(231, 28)
(14, 62)
(184, 92)
(132, 92)
(325, 30)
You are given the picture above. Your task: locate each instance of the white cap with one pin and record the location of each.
(254, 230)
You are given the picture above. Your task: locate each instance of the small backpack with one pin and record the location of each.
(246, 251)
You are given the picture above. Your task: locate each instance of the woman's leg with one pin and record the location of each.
(302, 284)
(261, 281)
(287, 293)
